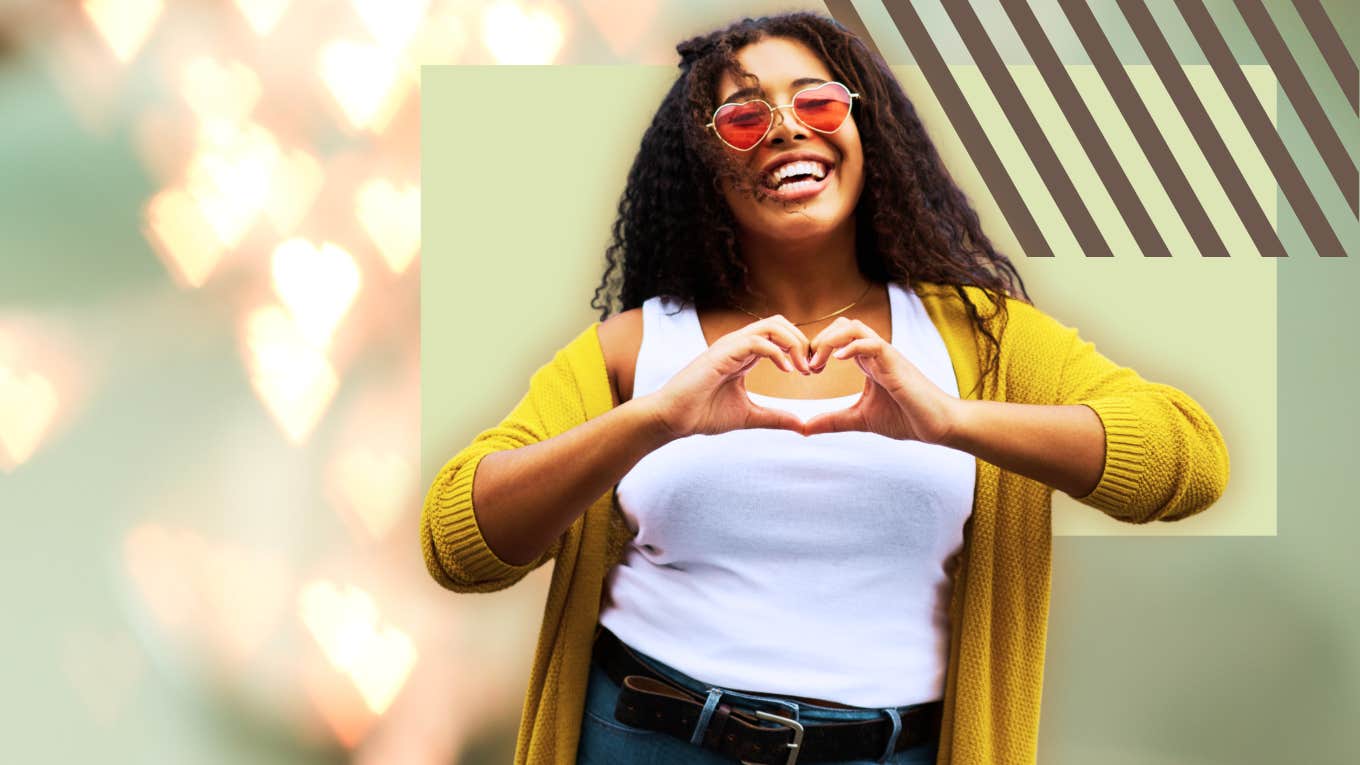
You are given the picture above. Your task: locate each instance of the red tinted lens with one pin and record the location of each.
(742, 125)
(824, 107)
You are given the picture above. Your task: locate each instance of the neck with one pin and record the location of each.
(801, 279)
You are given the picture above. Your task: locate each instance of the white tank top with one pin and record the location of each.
(771, 562)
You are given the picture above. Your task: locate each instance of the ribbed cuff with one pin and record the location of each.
(1125, 456)
(454, 524)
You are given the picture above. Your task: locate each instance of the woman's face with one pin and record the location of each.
(784, 67)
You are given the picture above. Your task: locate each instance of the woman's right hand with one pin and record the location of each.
(709, 396)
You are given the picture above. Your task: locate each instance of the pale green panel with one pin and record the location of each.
(516, 218)
(1204, 325)
(517, 207)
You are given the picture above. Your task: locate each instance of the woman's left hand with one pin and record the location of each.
(899, 401)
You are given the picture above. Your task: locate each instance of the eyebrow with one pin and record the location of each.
(796, 84)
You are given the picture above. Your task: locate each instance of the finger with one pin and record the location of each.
(799, 350)
(833, 337)
(820, 337)
(744, 350)
(863, 347)
(763, 346)
(841, 420)
(788, 338)
(828, 422)
(788, 346)
(750, 362)
(761, 417)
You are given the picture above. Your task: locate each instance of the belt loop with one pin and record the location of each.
(892, 739)
(714, 694)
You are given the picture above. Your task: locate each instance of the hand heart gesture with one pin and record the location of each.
(899, 401)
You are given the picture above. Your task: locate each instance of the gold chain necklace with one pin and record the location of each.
(814, 321)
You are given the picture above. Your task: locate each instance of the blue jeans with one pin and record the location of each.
(606, 741)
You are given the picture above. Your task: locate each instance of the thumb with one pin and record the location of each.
(829, 422)
(779, 419)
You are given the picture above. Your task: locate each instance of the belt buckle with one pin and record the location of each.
(792, 724)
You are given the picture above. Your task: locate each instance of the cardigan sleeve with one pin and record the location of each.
(456, 554)
(1165, 459)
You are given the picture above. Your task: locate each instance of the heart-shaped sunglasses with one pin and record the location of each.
(823, 108)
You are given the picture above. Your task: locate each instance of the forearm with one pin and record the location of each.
(525, 498)
(1060, 446)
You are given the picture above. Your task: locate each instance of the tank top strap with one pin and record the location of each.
(667, 344)
(915, 335)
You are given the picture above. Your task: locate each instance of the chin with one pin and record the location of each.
(795, 227)
(810, 220)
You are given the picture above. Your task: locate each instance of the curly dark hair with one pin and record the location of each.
(675, 234)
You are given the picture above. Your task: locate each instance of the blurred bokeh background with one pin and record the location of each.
(210, 468)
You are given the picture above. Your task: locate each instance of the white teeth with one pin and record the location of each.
(816, 169)
(797, 186)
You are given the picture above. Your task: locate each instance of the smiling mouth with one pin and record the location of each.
(797, 188)
(797, 171)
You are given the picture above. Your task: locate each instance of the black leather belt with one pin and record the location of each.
(650, 700)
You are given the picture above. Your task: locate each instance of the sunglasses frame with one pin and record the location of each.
(790, 105)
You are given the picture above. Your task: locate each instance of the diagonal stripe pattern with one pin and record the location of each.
(984, 155)
(1037, 143)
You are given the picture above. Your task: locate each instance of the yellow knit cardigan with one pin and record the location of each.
(1164, 460)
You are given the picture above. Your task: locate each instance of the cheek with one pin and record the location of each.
(859, 173)
(854, 169)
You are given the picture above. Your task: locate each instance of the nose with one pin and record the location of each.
(785, 126)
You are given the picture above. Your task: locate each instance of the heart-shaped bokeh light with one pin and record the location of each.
(392, 22)
(392, 219)
(262, 15)
(230, 179)
(345, 623)
(182, 238)
(367, 81)
(124, 24)
(221, 94)
(28, 407)
(318, 286)
(373, 488)
(440, 40)
(297, 181)
(515, 34)
(291, 375)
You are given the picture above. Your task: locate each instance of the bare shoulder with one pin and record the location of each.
(620, 339)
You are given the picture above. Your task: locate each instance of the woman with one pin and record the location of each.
(797, 491)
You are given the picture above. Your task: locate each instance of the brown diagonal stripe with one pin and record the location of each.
(1032, 137)
(1333, 50)
(1153, 144)
(1304, 100)
(1258, 124)
(1201, 127)
(965, 122)
(843, 11)
(1088, 133)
